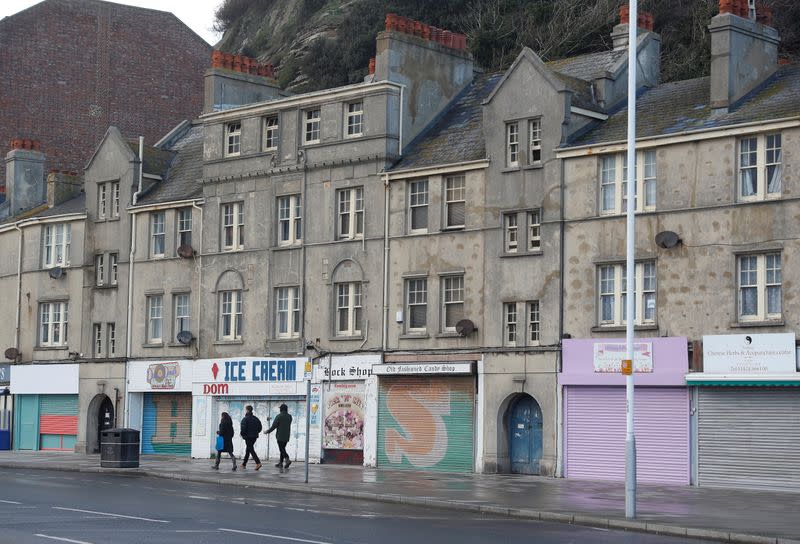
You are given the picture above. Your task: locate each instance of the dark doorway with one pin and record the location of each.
(100, 417)
(525, 435)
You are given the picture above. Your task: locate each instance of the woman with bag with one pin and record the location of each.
(225, 439)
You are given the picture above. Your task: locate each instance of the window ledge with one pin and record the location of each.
(623, 328)
(105, 287)
(537, 166)
(459, 227)
(508, 169)
(51, 348)
(346, 338)
(227, 342)
(745, 324)
(178, 344)
(448, 335)
(412, 336)
(150, 346)
(287, 247)
(521, 254)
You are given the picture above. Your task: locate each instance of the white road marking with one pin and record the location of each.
(279, 537)
(63, 539)
(198, 497)
(10, 502)
(109, 514)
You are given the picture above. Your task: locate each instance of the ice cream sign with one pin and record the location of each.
(608, 357)
(263, 370)
(248, 375)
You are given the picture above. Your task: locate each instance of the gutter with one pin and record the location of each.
(19, 289)
(385, 327)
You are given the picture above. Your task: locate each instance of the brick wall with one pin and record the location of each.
(71, 68)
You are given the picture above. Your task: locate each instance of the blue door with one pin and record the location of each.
(27, 410)
(525, 434)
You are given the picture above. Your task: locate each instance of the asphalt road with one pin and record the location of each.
(49, 507)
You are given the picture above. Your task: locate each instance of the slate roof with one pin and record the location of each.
(73, 205)
(582, 93)
(587, 67)
(156, 161)
(183, 179)
(681, 106)
(458, 135)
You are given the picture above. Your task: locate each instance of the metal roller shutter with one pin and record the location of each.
(427, 423)
(167, 424)
(595, 434)
(749, 438)
(58, 422)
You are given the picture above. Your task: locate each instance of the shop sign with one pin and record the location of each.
(167, 376)
(344, 417)
(314, 400)
(249, 369)
(391, 369)
(5, 374)
(335, 370)
(749, 354)
(45, 379)
(163, 375)
(608, 357)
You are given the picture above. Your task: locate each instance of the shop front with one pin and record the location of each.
(748, 401)
(426, 415)
(46, 406)
(6, 407)
(594, 410)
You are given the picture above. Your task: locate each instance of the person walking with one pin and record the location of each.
(283, 424)
(226, 433)
(250, 428)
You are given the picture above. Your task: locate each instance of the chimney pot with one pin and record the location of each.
(391, 21)
(624, 14)
(372, 66)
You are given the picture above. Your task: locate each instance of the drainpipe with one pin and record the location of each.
(385, 330)
(199, 267)
(19, 288)
(400, 130)
(560, 354)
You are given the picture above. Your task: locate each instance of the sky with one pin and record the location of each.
(197, 14)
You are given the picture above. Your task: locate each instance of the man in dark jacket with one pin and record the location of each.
(283, 423)
(250, 429)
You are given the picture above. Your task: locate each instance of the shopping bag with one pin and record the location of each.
(220, 443)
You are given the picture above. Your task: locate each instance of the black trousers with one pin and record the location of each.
(219, 456)
(249, 442)
(282, 447)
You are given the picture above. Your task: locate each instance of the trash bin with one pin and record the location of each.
(119, 448)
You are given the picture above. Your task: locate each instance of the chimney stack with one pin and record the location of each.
(62, 186)
(619, 36)
(24, 175)
(236, 80)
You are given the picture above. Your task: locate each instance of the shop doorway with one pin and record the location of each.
(100, 417)
(525, 435)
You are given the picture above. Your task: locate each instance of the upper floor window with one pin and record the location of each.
(113, 271)
(511, 230)
(53, 323)
(111, 338)
(760, 168)
(510, 323)
(348, 309)
(612, 294)
(182, 312)
(534, 230)
(452, 302)
(290, 221)
(417, 304)
(760, 282)
(312, 126)
(287, 312)
(233, 139)
(157, 234)
(351, 213)
(102, 200)
(155, 319)
(230, 315)
(512, 144)
(534, 323)
(57, 238)
(100, 269)
(535, 142)
(517, 226)
(115, 199)
(184, 220)
(355, 118)
(614, 182)
(233, 226)
(418, 205)
(455, 201)
(271, 128)
(97, 336)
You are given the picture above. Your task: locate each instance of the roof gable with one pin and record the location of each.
(527, 55)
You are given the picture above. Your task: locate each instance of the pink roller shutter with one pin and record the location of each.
(595, 434)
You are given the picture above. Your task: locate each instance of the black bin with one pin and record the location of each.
(119, 448)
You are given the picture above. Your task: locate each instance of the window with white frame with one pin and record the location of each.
(157, 234)
(184, 220)
(56, 240)
(534, 323)
(452, 302)
(113, 270)
(535, 142)
(100, 270)
(417, 305)
(233, 139)
(102, 200)
(115, 199)
(290, 220)
(97, 336)
(53, 324)
(182, 312)
(111, 339)
(355, 118)
(760, 282)
(230, 315)
(351, 213)
(233, 226)
(287, 312)
(155, 319)
(760, 167)
(455, 201)
(312, 118)
(511, 232)
(271, 133)
(348, 309)
(534, 230)
(510, 323)
(418, 205)
(614, 182)
(512, 144)
(612, 292)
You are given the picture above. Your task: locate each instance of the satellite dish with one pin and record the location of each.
(186, 251)
(12, 354)
(185, 337)
(56, 273)
(667, 239)
(465, 327)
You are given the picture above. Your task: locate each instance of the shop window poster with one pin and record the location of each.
(344, 417)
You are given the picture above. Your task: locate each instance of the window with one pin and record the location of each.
(155, 319)
(53, 319)
(418, 205)
(184, 227)
(111, 334)
(417, 304)
(115, 199)
(534, 230)
(271, 129)
(760, 287)
(348, 309)
(99, 270)
(97, 334)
(312, 126)
(102, 200)
(452, 302)
(455, 201)
(613, 291)
(511, 232)
(534, 324)
(287, 312)
(182, 311)
(535, 141)
(510, 323)
(157, 234)
(290, 222)
(57, 238)
(614, 182)
(351, 213)
(233, 226)
(355, 118)
(113, 272)
(233, 139)
(512, 144)
(230, 315)
(760, 168)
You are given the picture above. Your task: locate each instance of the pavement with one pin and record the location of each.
(699, 512)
